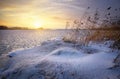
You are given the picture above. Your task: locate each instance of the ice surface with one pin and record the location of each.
(58, 60)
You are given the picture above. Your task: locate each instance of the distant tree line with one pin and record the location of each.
(3, 27)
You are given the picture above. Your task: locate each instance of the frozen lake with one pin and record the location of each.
(11, 40)
(21, 39)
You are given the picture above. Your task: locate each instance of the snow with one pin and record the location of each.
(55, 59)
(66, 52)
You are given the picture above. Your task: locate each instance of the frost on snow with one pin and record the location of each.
(59, 60)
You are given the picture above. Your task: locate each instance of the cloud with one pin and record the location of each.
(49, 10)
(14, 3)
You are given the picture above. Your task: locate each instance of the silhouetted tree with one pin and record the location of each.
(3, 27)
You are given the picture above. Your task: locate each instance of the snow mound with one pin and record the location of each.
(101, 46)
(60, 62)
(64, 52)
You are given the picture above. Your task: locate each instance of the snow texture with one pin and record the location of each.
(59, 60)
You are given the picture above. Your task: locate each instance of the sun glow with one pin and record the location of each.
(37, 24)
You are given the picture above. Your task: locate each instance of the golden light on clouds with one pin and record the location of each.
(33, 13)
(44, 13)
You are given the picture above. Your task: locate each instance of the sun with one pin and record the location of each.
(37, 24)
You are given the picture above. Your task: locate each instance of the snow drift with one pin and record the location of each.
(59, 60)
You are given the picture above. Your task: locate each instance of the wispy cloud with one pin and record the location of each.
(53, 12)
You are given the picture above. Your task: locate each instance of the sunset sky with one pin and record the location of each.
(47, 13)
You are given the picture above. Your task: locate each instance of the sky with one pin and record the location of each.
(51, 14)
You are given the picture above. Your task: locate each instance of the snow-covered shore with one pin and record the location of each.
(55, 59)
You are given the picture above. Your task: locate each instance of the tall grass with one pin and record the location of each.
(94, 28)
